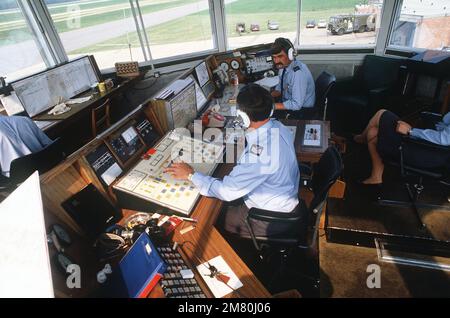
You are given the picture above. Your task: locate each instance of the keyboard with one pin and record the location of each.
(172, 283)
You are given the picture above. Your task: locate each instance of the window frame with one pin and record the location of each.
(397, 50)
(54, 51)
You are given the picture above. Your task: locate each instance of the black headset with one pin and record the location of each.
(287, 46)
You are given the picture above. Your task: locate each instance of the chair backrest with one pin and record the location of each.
(380, 71)
(323, 84)
(100, 116)
(326, 172)
(42, 161)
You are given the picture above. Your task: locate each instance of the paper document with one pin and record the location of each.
(79, 100)
(312, 135)
(59, 109)
(268, 82)
(222, 281)
(174, 88)
(11, 104)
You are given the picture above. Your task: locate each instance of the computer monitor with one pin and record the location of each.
(184, 106)
(41, 91)
(202, 73)
(104, 164)
(202, 100)
(126, 144)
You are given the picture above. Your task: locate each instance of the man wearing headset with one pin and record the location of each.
(296, 89)
(266, 175)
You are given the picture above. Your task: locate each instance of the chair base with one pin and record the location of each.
(413, 202)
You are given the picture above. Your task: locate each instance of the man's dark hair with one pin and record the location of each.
(255, 101)
(281, 44)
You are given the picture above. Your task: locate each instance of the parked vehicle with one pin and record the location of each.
(254, 27)
(272, 25)
(322, 24)
(347, 23)
(240, 27)
(310, 24)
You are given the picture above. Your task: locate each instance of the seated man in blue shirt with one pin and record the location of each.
(296, 87)
(266, 175)
(383, 138)
(19, 136)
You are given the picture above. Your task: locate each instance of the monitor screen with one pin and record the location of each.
(146, 130)
(104, 164)
(42, 91)
(200, 95)
(184, 107)
(125, 144)
(202, 73)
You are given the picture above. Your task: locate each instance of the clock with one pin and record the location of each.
(235, 64)
(224, 66)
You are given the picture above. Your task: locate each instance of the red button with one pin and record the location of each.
(151, 151)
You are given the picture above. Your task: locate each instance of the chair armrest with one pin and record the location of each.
(429, 119)
(380, 90)
(423, 143)
(345, 85)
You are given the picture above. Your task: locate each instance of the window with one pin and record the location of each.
(105, 29)
(183, 28)
(340, 22)
(423, 24)
(251, 22)
(19, 53)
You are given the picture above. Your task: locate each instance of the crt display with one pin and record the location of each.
(146, 130)
(126, 144)
(104, 164)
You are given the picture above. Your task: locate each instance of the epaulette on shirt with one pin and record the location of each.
(256, 150)
(297, 68)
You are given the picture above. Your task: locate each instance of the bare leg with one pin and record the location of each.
(373, 123)
(376, 176)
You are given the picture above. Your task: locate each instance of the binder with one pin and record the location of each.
(139, 270)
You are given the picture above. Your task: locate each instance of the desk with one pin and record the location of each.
(307, 153)
(54, 125)
(208, 243)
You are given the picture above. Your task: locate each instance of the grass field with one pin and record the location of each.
(13, 28)
(197, 26)
(189, 28)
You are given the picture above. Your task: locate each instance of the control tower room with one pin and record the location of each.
(241, 149)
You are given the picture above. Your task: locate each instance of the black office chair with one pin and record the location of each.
(354, 101)
(412, 163)
(42, 161)
(305, 220)
(323, 85)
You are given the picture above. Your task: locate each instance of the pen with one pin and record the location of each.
(185, 219)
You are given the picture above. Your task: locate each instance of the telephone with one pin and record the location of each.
(213, 119)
